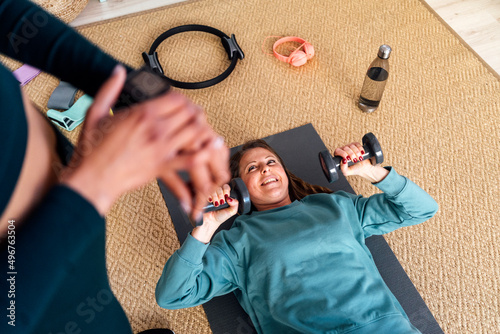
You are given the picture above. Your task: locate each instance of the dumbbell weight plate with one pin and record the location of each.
(370, 142)
(242, 194)
(328, 165)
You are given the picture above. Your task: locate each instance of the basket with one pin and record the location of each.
(66, 10)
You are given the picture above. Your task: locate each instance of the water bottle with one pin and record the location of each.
(375, 80)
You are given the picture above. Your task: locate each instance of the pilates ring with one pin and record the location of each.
(232, 48)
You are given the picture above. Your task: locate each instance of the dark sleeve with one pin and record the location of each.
(59, 273)
(33, 36)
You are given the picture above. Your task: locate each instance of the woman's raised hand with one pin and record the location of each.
(354, 152)
(219, 197)
(213, 219)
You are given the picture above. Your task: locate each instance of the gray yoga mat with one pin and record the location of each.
(299, 148)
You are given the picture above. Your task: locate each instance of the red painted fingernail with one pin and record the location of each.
(348, 158)
(229, 199)
(221, 201)
(344, 161)
(216, 203)
(360, 158)
(362, 152)
(355, 160)
(226, 196)
(210, 199)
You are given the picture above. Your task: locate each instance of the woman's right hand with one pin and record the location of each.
(365, 169)
(213, 219)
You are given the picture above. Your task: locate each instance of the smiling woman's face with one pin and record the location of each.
(265, 179)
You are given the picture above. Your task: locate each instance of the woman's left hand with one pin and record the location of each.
(354, 152)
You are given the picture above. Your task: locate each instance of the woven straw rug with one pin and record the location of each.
(438, 124)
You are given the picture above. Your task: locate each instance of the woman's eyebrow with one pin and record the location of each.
(251, 162)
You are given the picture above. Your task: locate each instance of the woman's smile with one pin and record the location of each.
(270, 180)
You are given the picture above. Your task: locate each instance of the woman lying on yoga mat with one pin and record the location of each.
(298, 262)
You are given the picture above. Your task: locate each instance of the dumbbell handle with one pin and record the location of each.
(338, 160)
(211, 207)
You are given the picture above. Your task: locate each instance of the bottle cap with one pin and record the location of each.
(384, 51)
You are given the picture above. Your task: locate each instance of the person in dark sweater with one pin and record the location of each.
(298, 262)
(52, 223)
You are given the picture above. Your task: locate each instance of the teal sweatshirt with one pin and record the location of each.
(304, 267)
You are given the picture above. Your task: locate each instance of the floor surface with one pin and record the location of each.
(476, 22)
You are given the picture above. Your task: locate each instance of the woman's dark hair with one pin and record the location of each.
(297, 188)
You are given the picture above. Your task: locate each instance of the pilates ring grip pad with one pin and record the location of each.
(232, 48)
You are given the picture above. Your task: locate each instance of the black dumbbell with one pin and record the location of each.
(331, 165)
(240, 192)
